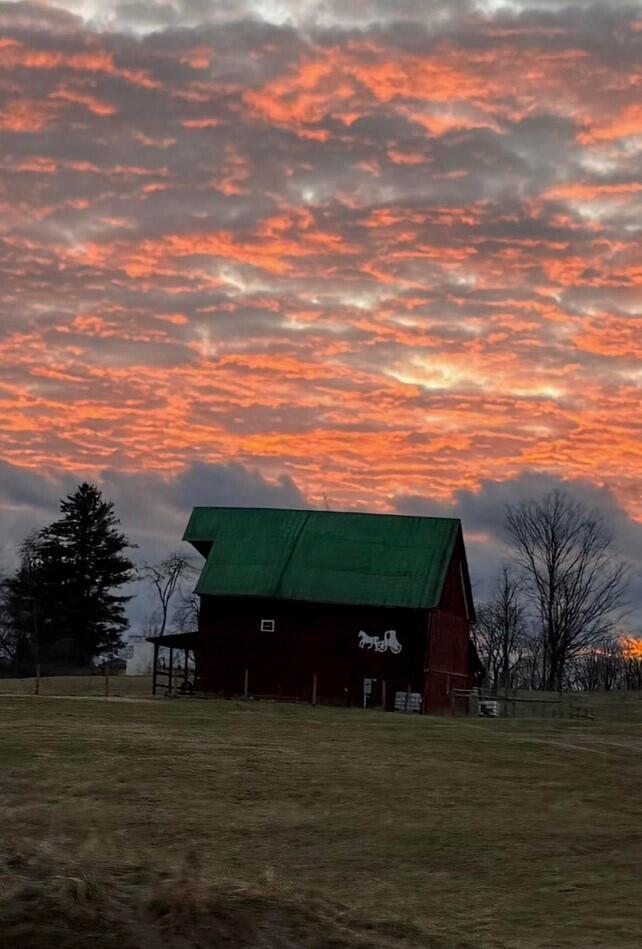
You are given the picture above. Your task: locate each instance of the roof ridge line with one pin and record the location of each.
(315, 510)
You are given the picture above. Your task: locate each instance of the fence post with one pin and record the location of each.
(314, 689)
(246, 681)
(473, 702)
(383, 695)
(154, 669)
(106, 668)
(37, 684)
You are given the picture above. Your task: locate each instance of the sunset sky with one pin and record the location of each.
(385, 251)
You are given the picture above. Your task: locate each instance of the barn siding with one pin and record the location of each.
(448, 660)
(309, 639)
(321, 639)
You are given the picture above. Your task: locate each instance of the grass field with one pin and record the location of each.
(197, 823)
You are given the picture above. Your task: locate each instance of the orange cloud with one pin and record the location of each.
(38, 165)
(376, 267)
(18, 56)
(341, 84)
(626, 122)
(588, 192)
(25, 115)
(406, 158)
(82, 98)
(204, 123)
(199, 57)
(612, 336)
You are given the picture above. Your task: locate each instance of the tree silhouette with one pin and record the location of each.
(68, 581)
(573, 576)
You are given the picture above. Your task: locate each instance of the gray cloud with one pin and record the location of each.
(153, 511)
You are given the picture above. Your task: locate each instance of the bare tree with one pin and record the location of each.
(528, 674)
(575, 581)
(165, 578)
(9, 638)
(601, 666)
(187, 612)
(615, 663)
(499, 632)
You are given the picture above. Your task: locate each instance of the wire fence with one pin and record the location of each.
(581, 706)
(482, 704)
(103, 683)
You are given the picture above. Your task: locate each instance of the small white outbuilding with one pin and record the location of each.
(139, 656)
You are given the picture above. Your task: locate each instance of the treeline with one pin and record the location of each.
(64, 605)
(553, 621)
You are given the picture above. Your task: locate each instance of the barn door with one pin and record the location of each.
(371, 692)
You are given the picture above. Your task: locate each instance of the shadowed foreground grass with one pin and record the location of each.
(198, 823)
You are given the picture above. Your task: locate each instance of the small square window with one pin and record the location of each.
(267, 625)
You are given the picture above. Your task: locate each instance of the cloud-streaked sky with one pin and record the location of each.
(383, 249)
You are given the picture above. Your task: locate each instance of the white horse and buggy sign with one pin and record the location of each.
(386, 643)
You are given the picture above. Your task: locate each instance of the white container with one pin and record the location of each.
(488, 709)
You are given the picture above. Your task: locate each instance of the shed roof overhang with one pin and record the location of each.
(175, 640)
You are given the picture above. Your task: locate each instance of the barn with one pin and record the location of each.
(331, 607)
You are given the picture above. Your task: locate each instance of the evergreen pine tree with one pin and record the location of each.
(20, 609)
(81, 564)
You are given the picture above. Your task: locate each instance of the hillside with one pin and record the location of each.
(202, 823)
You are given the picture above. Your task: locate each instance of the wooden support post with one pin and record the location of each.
(246, 684)
(171, 669)
(37, 685)
(186, 661)
(106, 669)
(383, 695)
(154, 668)
(314, 690)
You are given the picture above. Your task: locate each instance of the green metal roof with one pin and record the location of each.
(323, 556)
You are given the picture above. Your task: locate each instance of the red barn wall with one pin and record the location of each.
(448, 657)
(309, 639)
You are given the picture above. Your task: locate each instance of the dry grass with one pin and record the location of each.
(198, 823)
(606, 706)
(120, 686)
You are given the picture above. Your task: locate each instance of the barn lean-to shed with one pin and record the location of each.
(344, 608)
